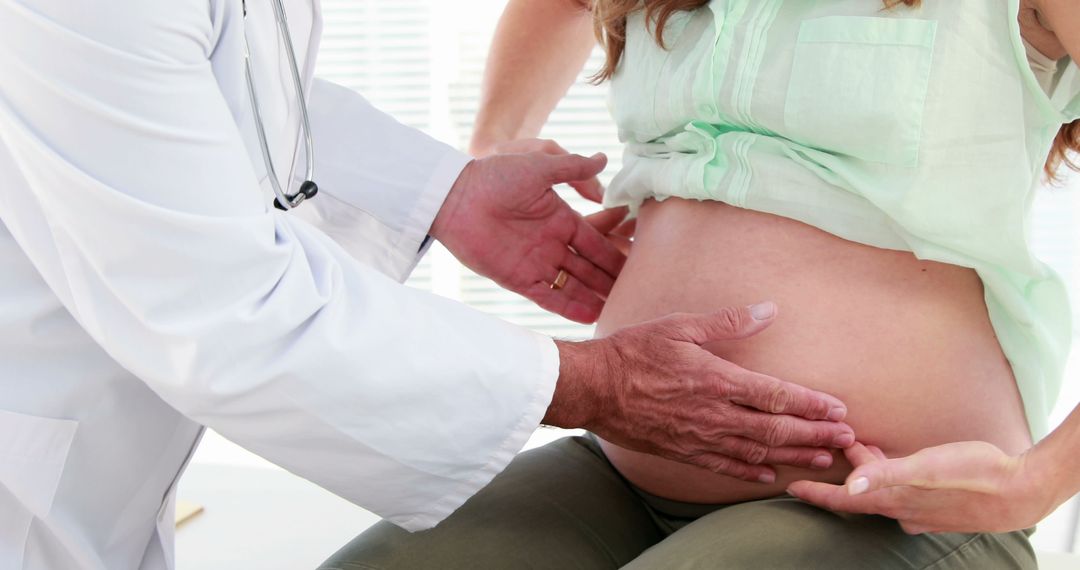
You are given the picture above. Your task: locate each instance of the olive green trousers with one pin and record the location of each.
(563, 507)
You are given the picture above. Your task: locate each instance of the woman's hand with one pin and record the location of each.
(958, 487)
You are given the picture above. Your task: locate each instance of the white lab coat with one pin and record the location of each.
(147, 289)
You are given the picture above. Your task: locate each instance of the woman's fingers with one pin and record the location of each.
(918, 470)
(860, 454)
(836, 498)
(970, 466)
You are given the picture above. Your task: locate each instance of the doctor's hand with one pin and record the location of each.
(612, 222)
(958, 487)
(653, 388)
(503, 220)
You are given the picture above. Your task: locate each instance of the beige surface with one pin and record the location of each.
(186, 511)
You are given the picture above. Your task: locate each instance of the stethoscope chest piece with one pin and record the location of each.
(307, 191)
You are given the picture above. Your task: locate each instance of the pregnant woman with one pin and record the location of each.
(870, 168)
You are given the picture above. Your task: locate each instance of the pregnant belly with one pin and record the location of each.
(906, 344)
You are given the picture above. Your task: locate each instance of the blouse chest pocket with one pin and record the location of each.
(858, 87)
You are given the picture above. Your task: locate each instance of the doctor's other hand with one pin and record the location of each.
(611, 222)
(503, 220)
(653, 388)
(958, 487)
(591, 189)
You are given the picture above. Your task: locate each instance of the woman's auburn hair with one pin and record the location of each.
(609, 20)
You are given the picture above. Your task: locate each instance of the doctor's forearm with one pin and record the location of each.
(538, 50)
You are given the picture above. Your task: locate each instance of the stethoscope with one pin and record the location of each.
(282, 201)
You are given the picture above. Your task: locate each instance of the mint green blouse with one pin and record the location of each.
(922, 130)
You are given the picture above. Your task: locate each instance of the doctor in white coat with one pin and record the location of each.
(148, 289)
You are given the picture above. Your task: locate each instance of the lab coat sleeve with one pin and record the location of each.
(125, 181)
(383, 182)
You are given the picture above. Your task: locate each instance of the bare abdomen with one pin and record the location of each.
(906, 344)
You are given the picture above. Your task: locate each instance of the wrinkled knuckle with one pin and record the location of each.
(778, 432)
(729, 468)
(779, 399)
(723, 387)
(815, 409)
(711, 463)
(755, 453)
(729, 319)
(723, 419)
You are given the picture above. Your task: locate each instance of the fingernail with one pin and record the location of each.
(858, 486)
(821, 462)
(844, 440)
(837, 414)
(763, 311)
(767, 478)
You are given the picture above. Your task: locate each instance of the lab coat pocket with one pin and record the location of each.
(33, 451)
(858, 87)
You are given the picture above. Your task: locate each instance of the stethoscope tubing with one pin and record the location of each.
(308, 189)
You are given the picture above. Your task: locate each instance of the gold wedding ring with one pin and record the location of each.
(560, 280)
